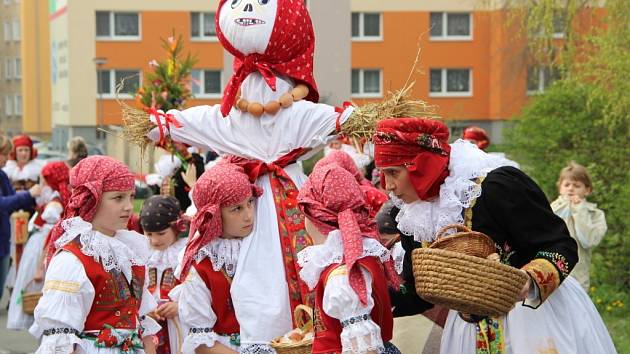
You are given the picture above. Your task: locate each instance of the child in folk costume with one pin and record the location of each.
(162, 223)
(373, 196)
(55, 194)
(437, 184)
(586, 223)
(348, 267)
(272, 125)
(224, 198)
(95, 297)
(10, 201)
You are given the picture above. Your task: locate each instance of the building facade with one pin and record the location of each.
(11, 101)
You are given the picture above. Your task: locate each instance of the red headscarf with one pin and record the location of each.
(331, 199)
(89, 179)
(289, 53)
(478, 135)
(374, 197)
(22, 141)
(222, 185)
(419, 144)
(57, 176)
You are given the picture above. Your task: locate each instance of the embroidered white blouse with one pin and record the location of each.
(340, 301)
(195, 299)
(68, 293)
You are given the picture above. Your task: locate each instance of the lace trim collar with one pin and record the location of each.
(125, 249)
(315, 259)
(423, 219)
(167, 258)
(222, 253)
(30, 171)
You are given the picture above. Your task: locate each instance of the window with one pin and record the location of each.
(366, 83)
(450, 83)
(206, 83)
(16, 30)
(202, 25)
(540, 77)
(7, 2)
(18, 68)
(18, 105)
(366, 26)
(451, 26)
(559, 23)
(117, 25)
(108, 81)
(7, 31)
(8, 106)
(8, 68)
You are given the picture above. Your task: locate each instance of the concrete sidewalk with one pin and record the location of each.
(13, 342)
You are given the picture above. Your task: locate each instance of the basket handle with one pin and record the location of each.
(457, 227)
(299, 318)
(392, 242)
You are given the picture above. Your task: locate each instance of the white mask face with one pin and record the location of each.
(247, 24)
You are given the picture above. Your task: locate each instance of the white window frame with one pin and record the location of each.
(7, 2)
(542, 81)
(445, 37)
(361, 93)
(202, 85)
(112, 28)
(8, 106)
(8, 30)
(202, 37)
(113, 83)
(362, 37)
(17, 105)
(17, 68)
(8, 68)
(17, 33)
(445, 93)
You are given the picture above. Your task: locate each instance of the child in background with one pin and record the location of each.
(162, 223)
(55, 180)
(224, 198)
(95, 298)
(586, 223)
(347, 266)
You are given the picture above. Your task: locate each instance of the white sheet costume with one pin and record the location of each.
(69, 293)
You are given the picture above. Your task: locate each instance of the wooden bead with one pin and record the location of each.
(255, 109)
(242, 104)
(272, 107)
(286, 100)
(299, 92)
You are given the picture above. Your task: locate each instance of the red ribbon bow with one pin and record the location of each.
(248, 65)
(162, 126)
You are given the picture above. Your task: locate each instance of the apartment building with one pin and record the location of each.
(11, 102)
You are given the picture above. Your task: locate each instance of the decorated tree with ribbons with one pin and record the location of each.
(167, 85)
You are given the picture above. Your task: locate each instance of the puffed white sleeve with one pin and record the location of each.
(315, 122)
(52, 212)
(147, 305)
(189, 132)
(195, 312)
(63, 308)
(360, 334)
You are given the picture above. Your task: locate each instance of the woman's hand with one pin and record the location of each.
(525, 290)
(190, 176)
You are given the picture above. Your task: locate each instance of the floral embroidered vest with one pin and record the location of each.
(116, 301)
(328, 329)
(219, 285)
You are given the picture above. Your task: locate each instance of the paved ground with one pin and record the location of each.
(13, 342)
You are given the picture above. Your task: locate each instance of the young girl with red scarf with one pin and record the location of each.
(162, 223)
(50, 204)
(347, 267)
(224, 198)
(95, 297)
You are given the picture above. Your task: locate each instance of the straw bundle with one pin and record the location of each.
(136, 125)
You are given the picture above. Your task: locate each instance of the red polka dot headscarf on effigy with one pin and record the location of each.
(290, 48)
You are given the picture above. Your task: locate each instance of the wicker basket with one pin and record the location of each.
(30, 300)
(303, 346)
(459, 276)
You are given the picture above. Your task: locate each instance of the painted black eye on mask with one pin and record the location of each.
(263, 2)
(235, 3)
